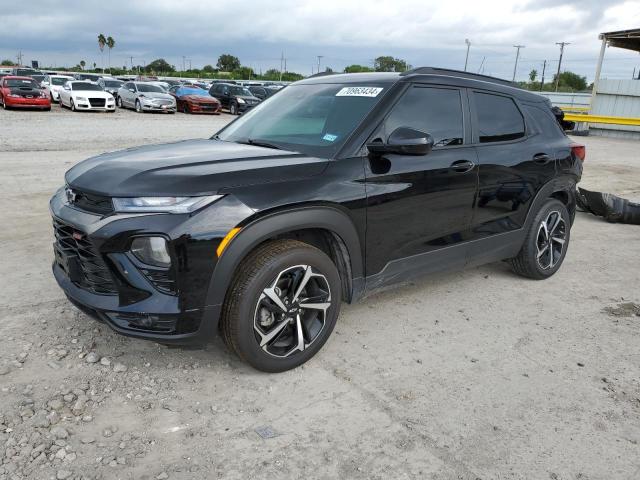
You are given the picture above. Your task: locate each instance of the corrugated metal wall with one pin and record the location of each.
(559, 99)
(617, 98)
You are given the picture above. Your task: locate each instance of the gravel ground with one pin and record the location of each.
(469, 375)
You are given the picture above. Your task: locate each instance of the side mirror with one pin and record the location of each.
(404, 141)
(132, 90)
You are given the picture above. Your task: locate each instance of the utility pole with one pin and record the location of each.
(190, 65)
(515, 67)
(544, 67)
(281, 62)
(319, 58)
(19, 57)
(562, 45)
(466, 60)
(131, 59)
(183, 63)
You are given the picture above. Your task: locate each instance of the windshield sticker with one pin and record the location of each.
(330, 137)
(359, 92)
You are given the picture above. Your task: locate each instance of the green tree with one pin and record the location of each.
(389, 64)
(243, 73)
(82, 64)
(533, 74)
(208, 69)
(357, 69)
(6, 63)
(570, 80)
(228, 63)
(160, 65)
(94, 65)
(110, 44)
(102, 41)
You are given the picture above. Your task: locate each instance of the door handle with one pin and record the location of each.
(541, 158)
(462, 166)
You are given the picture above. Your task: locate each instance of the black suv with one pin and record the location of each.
(235, 98)
(335, 188)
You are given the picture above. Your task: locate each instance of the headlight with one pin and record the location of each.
(81, 99)
(151, 250)
(240, 100)
(163, 204)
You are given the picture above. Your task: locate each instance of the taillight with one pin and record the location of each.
(579, 151)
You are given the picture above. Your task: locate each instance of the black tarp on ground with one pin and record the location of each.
(612, 208)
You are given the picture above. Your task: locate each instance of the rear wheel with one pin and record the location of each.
(282, 305)
(546, 243)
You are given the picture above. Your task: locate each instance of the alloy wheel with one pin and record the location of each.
(550, 241)
(138, 106)
(291, 312)
(232, 109)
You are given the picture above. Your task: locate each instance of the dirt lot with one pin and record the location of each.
(470, 375)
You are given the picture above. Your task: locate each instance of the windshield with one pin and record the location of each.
(85, 86)
(191, 91)
(314, 119)
(82, 76)
(16, 82)
(113, 83)
(149, 88)
(59, 80)
(240, 91)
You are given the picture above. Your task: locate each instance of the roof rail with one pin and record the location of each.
(321, 74)
(458, 73)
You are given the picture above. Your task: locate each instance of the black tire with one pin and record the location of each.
(138, 107)
(119, 102)
(532, 261)
(185, 108)
(261, 269)
(72, 105)
(233, 108)
(4, 105)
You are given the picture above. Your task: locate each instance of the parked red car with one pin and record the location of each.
(195, 100)
(23, 92)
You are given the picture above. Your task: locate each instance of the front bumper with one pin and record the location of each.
(211, 108)
(151, 107)
(21, 102)
(85, 105)
(135, 306)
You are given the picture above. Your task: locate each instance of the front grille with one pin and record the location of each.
(77, 257)
(164, 102)
(97, 102)
(92, 203)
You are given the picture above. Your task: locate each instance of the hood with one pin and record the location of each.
(189, 167)
(91, 93)
(199, 99)
(164, 96)
(25, 91)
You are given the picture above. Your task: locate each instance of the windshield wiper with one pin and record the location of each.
(262, 143)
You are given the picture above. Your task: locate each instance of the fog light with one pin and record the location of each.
(152, 251)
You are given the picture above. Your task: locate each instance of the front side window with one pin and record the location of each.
(58, 80)
(499, 119)
(315, 119)
(436, 111)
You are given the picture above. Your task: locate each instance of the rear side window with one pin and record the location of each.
(499, 119)
(544, 120)
(436, 111)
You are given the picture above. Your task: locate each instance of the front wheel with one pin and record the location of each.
(73, 105)
(545, 245)
(138, 106)
(119, 101)
(233, 109)
(282, 306)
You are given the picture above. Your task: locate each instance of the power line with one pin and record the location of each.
(562, 45)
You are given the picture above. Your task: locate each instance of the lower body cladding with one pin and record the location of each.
(99, 273)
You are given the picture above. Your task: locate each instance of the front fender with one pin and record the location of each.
(270, 225)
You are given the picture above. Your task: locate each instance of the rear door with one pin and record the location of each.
(419, 208)
(515, 162)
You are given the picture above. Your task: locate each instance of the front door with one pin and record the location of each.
(419, 208)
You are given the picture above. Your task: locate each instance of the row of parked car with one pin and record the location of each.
(94, 92)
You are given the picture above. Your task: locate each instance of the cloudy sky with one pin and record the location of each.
(424, 32)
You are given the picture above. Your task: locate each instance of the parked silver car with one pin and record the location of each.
(145, 97)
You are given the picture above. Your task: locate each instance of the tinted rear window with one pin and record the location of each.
(499, 119)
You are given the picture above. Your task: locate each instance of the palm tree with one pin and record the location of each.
(102, 41)
(110, 43)
(82, 64)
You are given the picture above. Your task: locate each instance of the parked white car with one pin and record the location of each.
(54, 83)
(84, 95)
